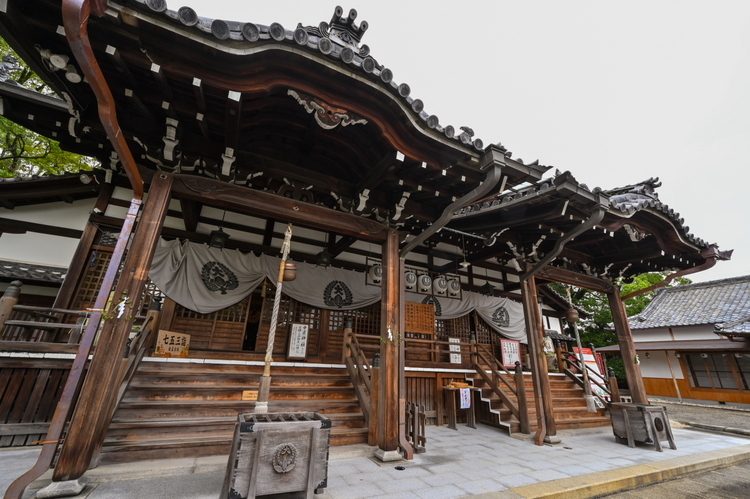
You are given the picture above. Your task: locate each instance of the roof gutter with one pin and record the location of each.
(76, 15)
(560, 244)
(75, 19)
(711, 254)
(492, 162)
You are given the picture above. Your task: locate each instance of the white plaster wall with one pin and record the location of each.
(701, 332)
(36, 248)
(45, 249)
(69, 215)
(657, 365)
(658, 334)
(31, 290)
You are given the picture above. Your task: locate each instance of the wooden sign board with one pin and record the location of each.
(250, 395)
(298, 337)
(171, 344)
(455, 357)
(511, 352)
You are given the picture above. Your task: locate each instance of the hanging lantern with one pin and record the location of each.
(290, 271)
(324, 259)
(454, 287)
(376, 273)
(440, 285)
(410, 279)
(425, 283)
(571, 315)
(488, 289)
(218, 238)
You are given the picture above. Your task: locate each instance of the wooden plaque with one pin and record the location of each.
(171, 344)
(298, 337)
(420, 318)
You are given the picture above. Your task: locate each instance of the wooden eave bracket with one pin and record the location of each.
(711, 254)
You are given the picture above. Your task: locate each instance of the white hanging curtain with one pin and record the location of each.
(207, 279)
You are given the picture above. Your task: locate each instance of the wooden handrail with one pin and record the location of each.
(359, 372)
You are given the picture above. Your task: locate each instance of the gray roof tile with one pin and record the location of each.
(726, 301)
(31, 272)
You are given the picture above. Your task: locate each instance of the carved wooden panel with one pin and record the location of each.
(420, 318)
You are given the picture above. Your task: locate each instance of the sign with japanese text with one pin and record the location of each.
(511, 350)
(298, 342)
(171, 344)
(456, 347)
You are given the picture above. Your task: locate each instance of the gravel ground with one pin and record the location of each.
(712, 415)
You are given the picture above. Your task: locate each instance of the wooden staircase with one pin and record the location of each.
(568, 403)
(176, 409)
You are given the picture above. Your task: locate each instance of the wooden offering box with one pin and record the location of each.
(641, 423)
(278, 453)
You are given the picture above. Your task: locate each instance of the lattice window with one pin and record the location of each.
(365, 320)
(459, 327)
(92, 279)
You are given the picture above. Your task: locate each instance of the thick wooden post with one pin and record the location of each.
(93, 411)
(390, 337)
(372, 430)
(79, 263)
(547, 430)
(8, 301)
(627, 349)
(613, 388)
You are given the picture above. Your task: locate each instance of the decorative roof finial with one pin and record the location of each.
(344, 27)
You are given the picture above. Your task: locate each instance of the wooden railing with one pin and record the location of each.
(43, 324)
(572, 361)
(359, 369)
(482, 357)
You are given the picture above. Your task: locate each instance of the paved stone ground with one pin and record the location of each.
(458, 464)
(726, 483)
(713, 414)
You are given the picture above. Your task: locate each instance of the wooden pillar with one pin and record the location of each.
(92, 414)
(8, 301)
(538, 360)
(391, 335)
(79, 263)
(627, 349)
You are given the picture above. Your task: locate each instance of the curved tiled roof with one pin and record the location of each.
(632, 198)
(337, 40)
(626, 200)
(31, 272)
(725, 301)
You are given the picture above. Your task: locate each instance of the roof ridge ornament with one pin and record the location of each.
(344, 28)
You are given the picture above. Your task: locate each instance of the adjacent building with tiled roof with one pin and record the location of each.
(706, 303)
(692, 341)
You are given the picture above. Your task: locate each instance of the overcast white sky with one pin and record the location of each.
(615, 92)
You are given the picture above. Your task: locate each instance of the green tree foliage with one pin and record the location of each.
(596, 328)
(23, 152)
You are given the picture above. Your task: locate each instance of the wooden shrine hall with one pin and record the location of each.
(229, 152)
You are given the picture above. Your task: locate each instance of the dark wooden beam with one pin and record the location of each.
(191, 212)
(118, 62)
(200, 98)
(376, 174)
(245, 200)
(233, 118)
(138, 104)
(268, 233)
(20, 227)
(342, 245)
(161, 82)
(575, 279)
